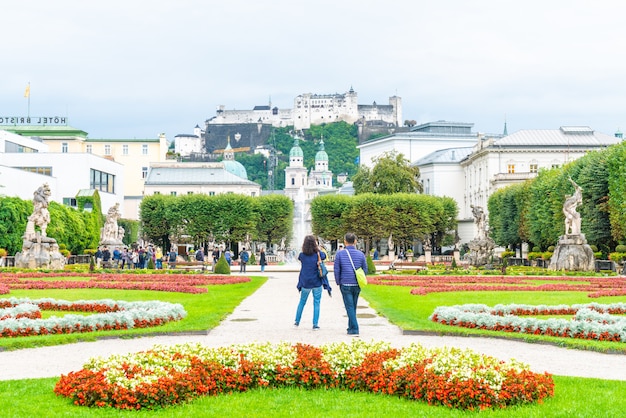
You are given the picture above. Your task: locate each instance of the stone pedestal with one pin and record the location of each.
(457, 256)
(572, 253)
(40, 252)
(480, 251)
(428, 256)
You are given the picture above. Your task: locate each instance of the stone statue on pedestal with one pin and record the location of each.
(572, 251)
(111, 234)
(39, 250)
(481, 247)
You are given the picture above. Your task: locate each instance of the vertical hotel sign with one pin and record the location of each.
(33, 120)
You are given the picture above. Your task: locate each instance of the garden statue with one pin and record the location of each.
(572, 217)
(39, 250)
(111, 233)
(572, 251)
(481, 247)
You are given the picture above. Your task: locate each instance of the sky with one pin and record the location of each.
(138, 68)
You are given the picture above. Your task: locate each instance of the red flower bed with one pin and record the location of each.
(423, 285)
(183, 283)
(309, 370)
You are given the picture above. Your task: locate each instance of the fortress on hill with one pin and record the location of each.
(315, 109)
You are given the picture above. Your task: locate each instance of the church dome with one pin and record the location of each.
(321, 154)
(296, 151)
(236, 168)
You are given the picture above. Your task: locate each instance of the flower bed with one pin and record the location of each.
(22, 317)
(168, 375)
(592, 321)
(184, 283)
(423, 285)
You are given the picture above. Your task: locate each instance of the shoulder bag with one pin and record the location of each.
(322, 271)
(361, 278)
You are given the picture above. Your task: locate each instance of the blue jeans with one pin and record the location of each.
(350, 297)
(317, 297)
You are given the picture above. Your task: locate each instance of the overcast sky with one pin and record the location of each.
(136, 68)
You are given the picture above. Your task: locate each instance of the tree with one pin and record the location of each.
(392, 173)
(274, 214)
(157, 222)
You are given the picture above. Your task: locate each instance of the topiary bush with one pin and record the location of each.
(222, 267)
(620, 248)
(252, 260)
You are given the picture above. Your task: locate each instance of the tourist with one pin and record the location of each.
(228, 256)
(172, 256)
(345, 276)
(309, 279)
(243, 260)
(262, 260)
(98, 257)
(117, 257)
(106, 257)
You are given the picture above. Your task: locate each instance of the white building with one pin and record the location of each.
(495, 163)
(420, 141)
(25, 165)
(499, 161)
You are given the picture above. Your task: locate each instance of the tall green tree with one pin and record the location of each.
(274, 218)
(158, 222)
(392, 173)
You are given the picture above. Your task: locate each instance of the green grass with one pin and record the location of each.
(411, 312)
(204, 310)
(574, 397)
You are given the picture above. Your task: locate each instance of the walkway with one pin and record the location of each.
(268, 315)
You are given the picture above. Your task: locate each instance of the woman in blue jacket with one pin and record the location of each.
(309, 279)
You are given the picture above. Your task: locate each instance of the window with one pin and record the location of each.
(511, 168)
(69, 201)
(555, 166)
(89, 149)
(102, 181)
(64, 147)
(107, 150)
(46, 171)
(172, 193)
(189, 193)
(125, 149)
(534, 168)
(157, 192)
(144, 172)
(293, 181)
(13, 147)
(211, 193)
(144, 149)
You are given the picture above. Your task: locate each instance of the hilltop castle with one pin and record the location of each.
(314, 109)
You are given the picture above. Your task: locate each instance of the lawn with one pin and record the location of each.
(574, 397)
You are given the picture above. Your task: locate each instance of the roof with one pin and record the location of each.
(207, 174)
(265, 107)
(449, 155)
(573, 136)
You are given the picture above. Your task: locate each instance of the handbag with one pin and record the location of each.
(322, 271)
(361, 278)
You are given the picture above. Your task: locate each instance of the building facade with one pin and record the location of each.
(134, 155)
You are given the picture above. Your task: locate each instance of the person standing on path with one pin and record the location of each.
(243, 260)
(309, 279)
(345, 277)
(262, 259)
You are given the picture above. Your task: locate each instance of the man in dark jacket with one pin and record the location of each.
(346, 262)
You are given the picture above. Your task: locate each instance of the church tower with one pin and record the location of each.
(321, 176)
(296, 173)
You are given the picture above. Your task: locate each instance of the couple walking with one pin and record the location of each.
(346, 261)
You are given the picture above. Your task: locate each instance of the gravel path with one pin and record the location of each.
(268, 315)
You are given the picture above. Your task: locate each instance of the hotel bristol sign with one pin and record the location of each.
(33, 120)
